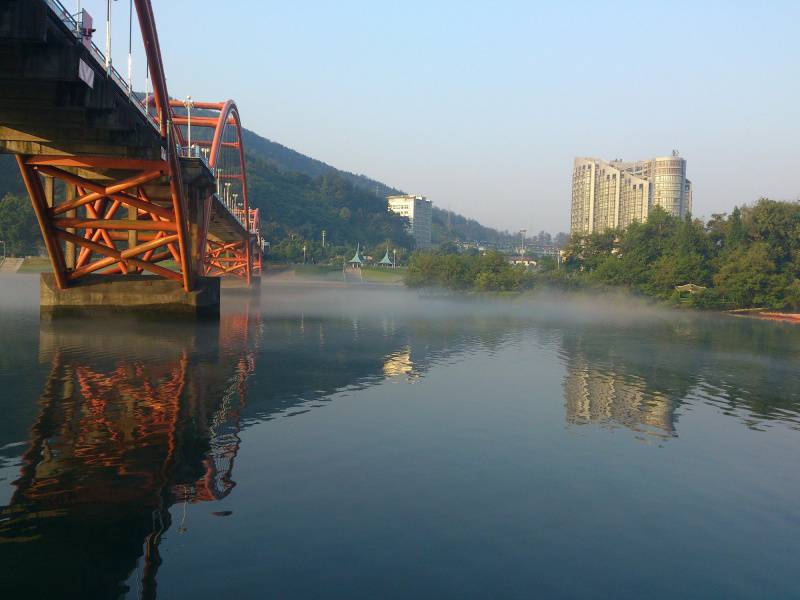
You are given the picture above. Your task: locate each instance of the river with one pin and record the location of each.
(370, 443)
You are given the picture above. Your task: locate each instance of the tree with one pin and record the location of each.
(18, 226)
(748, 278)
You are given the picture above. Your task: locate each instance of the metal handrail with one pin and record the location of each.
(194, 151)
(74, 26)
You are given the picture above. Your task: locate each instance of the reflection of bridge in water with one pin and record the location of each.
(117, 440)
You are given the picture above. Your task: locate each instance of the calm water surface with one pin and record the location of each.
(332, 443)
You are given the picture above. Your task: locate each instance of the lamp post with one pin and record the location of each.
(130, 48)
(189, 106)
(108, 35)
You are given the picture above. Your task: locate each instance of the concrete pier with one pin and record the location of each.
(140, 294)
(237, 285)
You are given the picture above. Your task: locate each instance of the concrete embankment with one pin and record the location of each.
(11, 265)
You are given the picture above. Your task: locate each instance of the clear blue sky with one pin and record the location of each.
(482, 107)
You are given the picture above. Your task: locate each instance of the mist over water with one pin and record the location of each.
(341, 442)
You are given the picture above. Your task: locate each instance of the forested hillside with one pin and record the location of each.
(300, 196)
(297, 205)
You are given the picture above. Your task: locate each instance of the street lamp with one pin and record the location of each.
(108, 36)
(189, 106)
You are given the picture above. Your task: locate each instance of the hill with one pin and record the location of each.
(447, 225)
(300, 196)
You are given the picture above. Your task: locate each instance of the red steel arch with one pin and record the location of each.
(169, 131)
(89, 218)
(230, 258)
(85, 229)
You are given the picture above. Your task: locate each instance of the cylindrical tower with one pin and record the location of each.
(669, 184)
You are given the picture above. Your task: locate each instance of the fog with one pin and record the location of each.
(20, 293)
(370, 301)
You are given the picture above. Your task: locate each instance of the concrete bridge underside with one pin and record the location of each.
(77, 134)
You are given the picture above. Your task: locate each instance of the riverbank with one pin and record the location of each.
(766, 315)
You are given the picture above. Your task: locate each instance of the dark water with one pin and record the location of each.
(328, 443)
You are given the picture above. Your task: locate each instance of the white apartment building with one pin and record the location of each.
(419, 212)
(614, 194)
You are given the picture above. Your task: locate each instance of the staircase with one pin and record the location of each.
(11, 265)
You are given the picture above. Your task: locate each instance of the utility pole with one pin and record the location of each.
(323, 238)
(394, 263)
(304, 254)
(522, 233)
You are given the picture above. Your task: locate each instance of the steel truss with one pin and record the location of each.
(106, 229)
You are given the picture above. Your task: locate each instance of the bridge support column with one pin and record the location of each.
(144, 295)
(240, 285)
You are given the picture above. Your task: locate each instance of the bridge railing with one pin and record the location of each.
(74, 27)
(194, 152)
(232, 207)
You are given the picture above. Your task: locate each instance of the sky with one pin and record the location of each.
(482, 107)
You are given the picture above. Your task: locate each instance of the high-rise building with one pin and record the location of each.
(419, 212)
(614, 194)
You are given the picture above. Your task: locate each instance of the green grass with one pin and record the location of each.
(383, 275)
(35, 264)
(318, 271)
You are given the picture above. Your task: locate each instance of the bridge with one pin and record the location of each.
(132, 211)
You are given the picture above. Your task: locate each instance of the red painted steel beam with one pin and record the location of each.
(34, 186)
(200, 121)
(169, 132)
(200, 105)
(99, 162)
(119, 224)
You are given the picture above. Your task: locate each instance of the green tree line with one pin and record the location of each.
(748, 259)
(469, 271)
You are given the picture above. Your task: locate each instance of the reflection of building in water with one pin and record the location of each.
(599, 395)
(129, 423)
(610, 383)
(399, 364)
